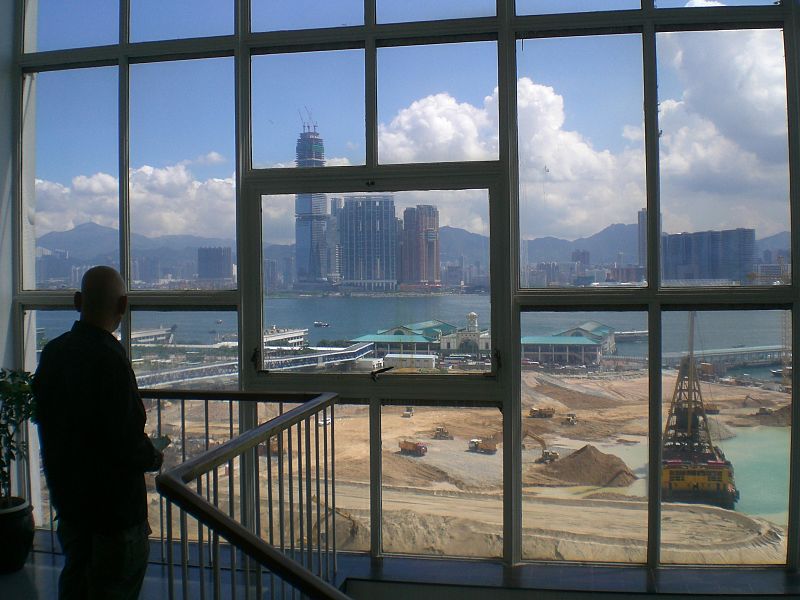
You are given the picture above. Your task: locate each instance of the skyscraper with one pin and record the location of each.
(642, 237)
(214, 263)
(726, 255)
(369, 240)
(311, 256)
(419, 256)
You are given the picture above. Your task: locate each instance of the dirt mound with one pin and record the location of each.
(404, 470)
(576, 399)
(587, 466)
(781, 417)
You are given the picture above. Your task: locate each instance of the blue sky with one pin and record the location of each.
(580, 117)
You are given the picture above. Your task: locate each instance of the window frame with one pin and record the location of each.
(509, 300)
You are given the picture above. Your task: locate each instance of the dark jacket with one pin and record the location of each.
(91, 427)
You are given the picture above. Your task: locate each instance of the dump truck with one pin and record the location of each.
(570, 419)
(484, 446)
(408, 412)
(542, 413)
(413, 448)
(441, 433)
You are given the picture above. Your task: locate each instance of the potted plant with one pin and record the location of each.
(16, 515)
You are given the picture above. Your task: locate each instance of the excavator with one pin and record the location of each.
(547, 456)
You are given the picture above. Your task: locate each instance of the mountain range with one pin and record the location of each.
(96, 243)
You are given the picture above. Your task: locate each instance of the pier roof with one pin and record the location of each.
(393, 339)
(557, 340)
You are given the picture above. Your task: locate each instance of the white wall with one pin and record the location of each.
(7, 20)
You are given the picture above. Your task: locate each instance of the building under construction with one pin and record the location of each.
(693, 468)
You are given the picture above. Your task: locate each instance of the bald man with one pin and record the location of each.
(95, 452)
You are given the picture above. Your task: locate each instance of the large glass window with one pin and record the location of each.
(584, 435)
(70, 185)
(57, 25)
(170, 19)
(725, 470)
(308, 109)
(724, 158)
(437, 103)
(360, 282)
(581, 162)
(182, 177)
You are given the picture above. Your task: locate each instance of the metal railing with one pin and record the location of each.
(281, 530)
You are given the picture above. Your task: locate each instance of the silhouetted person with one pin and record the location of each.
(95, 452)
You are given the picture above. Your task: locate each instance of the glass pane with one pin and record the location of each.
(391, 11)
(272, 15)
(317, 119)
(58, 25)
(352, 477)
(544, 7)
(451, 461)
(726, 409)
(581, 161)
(724, 158)
(173, 19)
(707, 3)
(356, 282)
(185, 349)
(182, 183)
(584, 458)
(70, 186)
(437, 103)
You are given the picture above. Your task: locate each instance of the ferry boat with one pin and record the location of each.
(693, 468)
(321, 324)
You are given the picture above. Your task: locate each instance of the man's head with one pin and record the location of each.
(102, 300)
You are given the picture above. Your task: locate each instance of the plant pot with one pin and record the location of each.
(16, 531)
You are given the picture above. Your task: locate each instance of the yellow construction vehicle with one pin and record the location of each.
(484, 446)
(542, 413)
(441, 433)
(547, 456)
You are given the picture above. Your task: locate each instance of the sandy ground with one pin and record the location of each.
(449, 501)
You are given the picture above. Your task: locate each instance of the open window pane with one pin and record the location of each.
(581, 162)
(70, 186)
(437, 103)
(391, 11)
(272, 15)
(59, 25)
(724, 161)
(318, 94)
(544, 7)
(585, 422)
(174, 19)
(450, 461)
(182, 184)
(726, 407)
(185, 349)
(357, 282)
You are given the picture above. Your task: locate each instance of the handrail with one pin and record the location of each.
(173, 486)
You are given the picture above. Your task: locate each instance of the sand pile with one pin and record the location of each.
(782, 417)
(587, 466)
(405, 470)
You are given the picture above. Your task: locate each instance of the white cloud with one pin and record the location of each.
(212, 158)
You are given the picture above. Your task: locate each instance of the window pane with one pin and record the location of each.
(320, 95)
(185, 349)
(581, 160)
(585, 423)
(70, 186)
(182, 183)
(173, 19)
(543, 7)
(451, 461)
(391, 11)
(356, 282)
(724, 158)
(57, 25)
(437, 103)
(272, 15)
(706, 3)
(725, 473)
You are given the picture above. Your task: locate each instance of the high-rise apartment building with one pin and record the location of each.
(726, 255)
(369, 242)
(642, 238)
(214, 263)
(419, 255)
(311, 219)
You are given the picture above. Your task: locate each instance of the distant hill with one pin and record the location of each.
(455, 243)
(603, 247)
(90, 240)
(774, 243)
